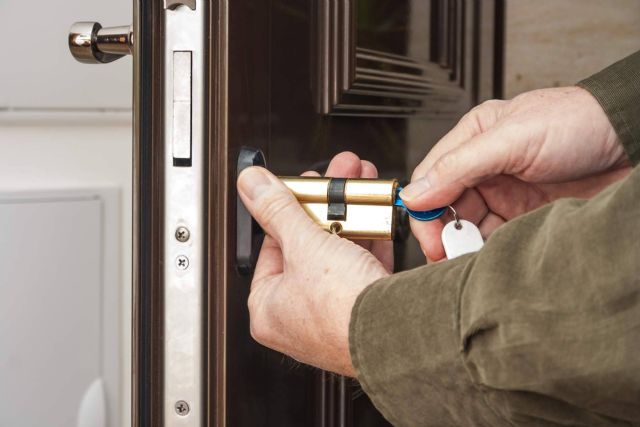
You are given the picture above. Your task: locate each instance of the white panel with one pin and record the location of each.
(59, 316)
(59, 156)
(37, 69)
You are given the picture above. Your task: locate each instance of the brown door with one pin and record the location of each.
(301, 80)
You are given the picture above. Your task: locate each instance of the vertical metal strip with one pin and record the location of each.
(184, 258)
(136, 395)
(148, 115)
(218, 202)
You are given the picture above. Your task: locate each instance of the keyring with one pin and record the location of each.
(419, 215)
(458, 224)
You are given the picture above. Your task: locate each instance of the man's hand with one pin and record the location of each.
(306, 280)
(505, 158)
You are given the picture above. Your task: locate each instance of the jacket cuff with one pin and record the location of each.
(405, 345)
(617, 89)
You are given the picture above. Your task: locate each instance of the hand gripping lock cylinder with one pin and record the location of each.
(355, 208)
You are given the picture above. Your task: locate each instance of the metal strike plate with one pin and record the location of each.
(369, 205)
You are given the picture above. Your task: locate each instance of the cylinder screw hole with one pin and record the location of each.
(335, 228)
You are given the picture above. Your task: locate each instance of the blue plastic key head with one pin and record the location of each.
(419, 215)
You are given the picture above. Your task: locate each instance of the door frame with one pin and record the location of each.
(148, 151)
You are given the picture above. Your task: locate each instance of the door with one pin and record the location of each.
(301, 81)
(306, 80)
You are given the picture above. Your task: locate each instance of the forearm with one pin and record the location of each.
(537, 328)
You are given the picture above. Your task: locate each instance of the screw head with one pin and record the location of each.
(182, 408)
(182, 234)
(182, 262)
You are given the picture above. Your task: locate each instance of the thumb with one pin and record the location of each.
(482, 157)
(274, 207)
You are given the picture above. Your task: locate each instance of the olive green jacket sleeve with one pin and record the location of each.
(539, 328)
(617, 88)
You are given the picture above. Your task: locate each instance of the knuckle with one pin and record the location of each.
(446, 163)
(492, 104)
(483, 115)
(422, 168)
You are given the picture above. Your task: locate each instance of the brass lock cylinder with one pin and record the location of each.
(355, 208)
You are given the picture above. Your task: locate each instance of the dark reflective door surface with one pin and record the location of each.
(301, 80)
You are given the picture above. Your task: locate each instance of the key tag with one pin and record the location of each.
(460, 237)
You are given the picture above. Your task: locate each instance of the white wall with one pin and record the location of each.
(65, 125)
(37, 71)
(39, 156)
(560, 42)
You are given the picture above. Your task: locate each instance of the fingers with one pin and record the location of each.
(349, 165)
(428, 235)
(276, 210)
(434, 181)
(368, 169)
(489, 225)
(478, 120)
(483, 157)
(344, 165)
(270, 262)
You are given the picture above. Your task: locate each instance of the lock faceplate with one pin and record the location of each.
(185, 262)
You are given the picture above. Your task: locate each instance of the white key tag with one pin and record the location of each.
(460, 237)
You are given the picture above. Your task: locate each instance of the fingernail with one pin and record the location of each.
(253, 182)
(415, 189)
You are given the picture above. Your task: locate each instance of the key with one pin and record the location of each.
(460, 237)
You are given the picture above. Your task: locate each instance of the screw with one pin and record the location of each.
(182, 262)
(182, 234)
(335, 228)
(182, 408)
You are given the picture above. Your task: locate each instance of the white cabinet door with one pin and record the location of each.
(59, 309)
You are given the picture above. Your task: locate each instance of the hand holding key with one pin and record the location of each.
(503, 159)
(506, 158)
